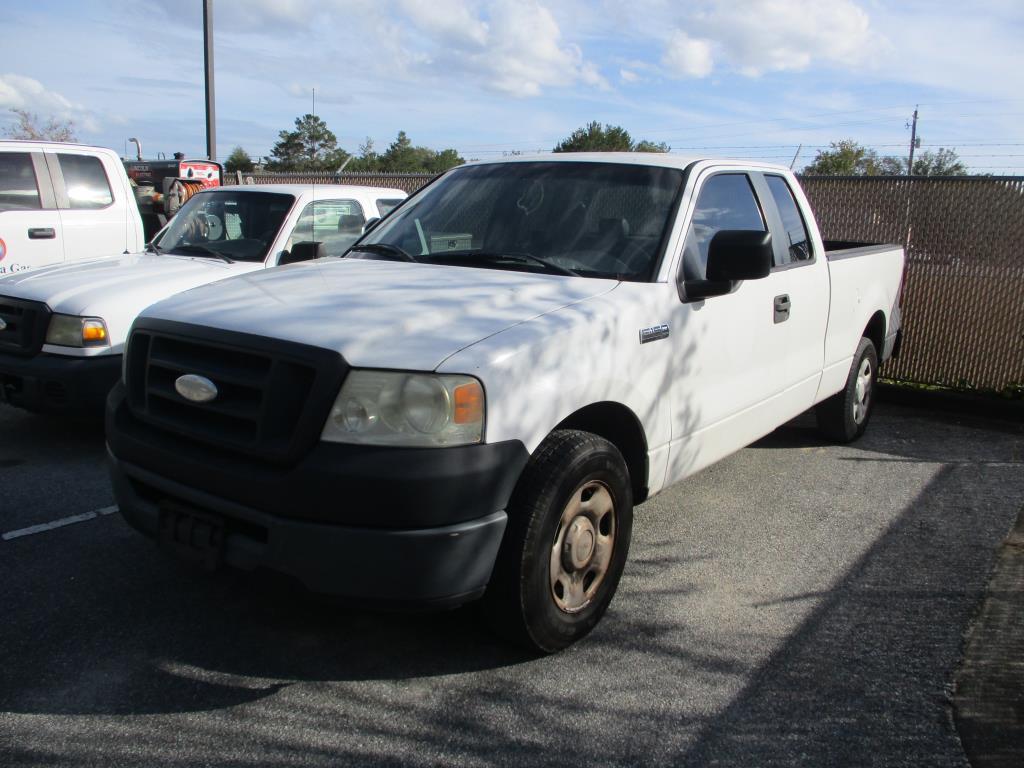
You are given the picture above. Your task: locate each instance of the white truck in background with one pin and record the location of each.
(469, 404)
(63, 203)
(63, 328)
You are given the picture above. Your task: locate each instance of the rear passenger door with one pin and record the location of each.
(95, 224)
(807, 285)
(30, 227)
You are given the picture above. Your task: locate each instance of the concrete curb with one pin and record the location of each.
(988, 701)
(990, 406)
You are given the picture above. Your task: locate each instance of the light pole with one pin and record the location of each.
(211, 114)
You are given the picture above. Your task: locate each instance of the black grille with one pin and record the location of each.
(24, 325)
(272, 396)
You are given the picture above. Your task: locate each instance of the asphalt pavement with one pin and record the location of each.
(796, 604)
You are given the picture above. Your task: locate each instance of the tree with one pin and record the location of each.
(29, 126)
(368, 160)
(945, 162)
(238, 160)
(845, 158)
(848, 158)
(595, 137)
(650, 146)
(312, 146)
(402, 157)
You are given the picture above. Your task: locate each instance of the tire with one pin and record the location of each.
(570, 522)
(844, 416)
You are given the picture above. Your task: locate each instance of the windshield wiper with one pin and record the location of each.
(519, 256)
(196, 248)
(385, 249)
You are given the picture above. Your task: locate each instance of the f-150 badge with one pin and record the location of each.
(653, 333)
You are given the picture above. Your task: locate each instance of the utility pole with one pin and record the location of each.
(211, 114)
(913, 143)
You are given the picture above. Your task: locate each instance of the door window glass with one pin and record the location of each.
(85, 181)
(726, 201)
(335, 223)
(18, 188)
(799, 243)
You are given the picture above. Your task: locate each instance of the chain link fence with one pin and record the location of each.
(963, 296)
(407, 182)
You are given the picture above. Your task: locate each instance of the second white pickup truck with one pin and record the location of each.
(63, 328)
(472, 401)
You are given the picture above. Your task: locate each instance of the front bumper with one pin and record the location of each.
(55, 383)
(405, 527)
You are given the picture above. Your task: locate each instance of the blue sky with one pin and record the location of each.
(750, 78)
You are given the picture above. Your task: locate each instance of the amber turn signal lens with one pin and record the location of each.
(469, 403)
(93, 331)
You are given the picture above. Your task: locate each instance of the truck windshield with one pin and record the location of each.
(592, 219)
(240, 226)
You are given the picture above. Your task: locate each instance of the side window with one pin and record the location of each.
(726, 201)
(85, 181)
(335, 223)
(18, 188)
(387, 205)
(796, 232)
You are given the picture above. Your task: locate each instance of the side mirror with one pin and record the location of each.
(370, 224)
(737, 254)
(306, 251)
(733, 255)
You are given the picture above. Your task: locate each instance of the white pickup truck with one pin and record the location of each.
(472, 401)
(62, 203)
(63, 328)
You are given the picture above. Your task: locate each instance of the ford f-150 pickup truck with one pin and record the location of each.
(63, 203)
(470, 403)
(62, 329)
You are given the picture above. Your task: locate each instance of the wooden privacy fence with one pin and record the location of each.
(963, 298)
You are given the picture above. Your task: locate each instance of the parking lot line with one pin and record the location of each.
(33, 529)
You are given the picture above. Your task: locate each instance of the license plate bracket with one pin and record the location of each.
(192, 534)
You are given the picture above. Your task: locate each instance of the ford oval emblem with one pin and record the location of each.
(198, 389)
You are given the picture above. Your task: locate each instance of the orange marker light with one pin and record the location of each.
(469, 403)
(93, 332)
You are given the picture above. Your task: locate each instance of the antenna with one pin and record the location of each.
(795, 157)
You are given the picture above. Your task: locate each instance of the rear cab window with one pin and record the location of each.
(85, 181)
(798, 242)
(19, 190)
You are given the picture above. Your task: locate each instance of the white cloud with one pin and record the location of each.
(526, 52)
(20, 92)
(452, 20)
(628, 76)
(754, 37)
(686, 56)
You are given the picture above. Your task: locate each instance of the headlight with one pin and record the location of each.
(409, 409)
(72, 331)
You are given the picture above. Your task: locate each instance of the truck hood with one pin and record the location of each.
(378, 314)
(118, 285)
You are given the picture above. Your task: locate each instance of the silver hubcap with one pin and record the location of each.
(583, 545)
(863, 394)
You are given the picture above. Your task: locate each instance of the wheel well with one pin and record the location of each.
(618, 425)
(876, 332)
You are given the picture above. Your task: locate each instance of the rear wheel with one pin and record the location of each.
(844, 416)
(570, 522)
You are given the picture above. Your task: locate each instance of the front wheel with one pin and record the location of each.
(570, 522)
(844, 416)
